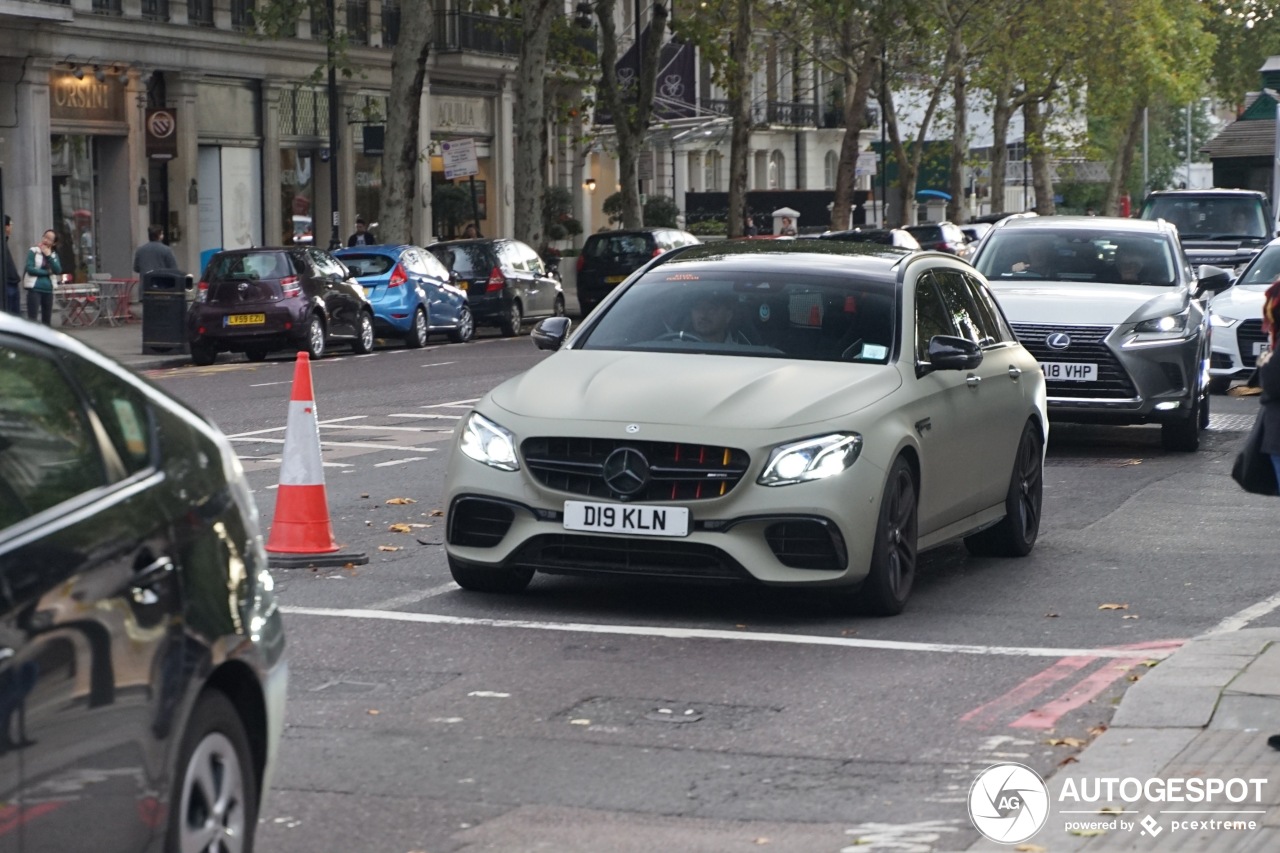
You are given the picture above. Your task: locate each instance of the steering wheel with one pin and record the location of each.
(680, 336)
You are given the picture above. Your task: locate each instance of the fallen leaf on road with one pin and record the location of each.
(1149, 663)
(1113, 607)
(400, 528)
(364, 495)
(1066, 741)
(400, 501)
(1110, 810)
(1134, 677)
(579, 722)
(1097, 730)
(1070, 759)
(373, 712)
(388, 547)
(1087, 833)
(1051, 616)
(762, 841)
(1131, 616)
(1031, 848)
(436, 513)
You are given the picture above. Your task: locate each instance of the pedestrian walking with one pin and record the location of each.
(12, 278)
(362, 236)
(154, 254)
(42, 265)
(1269, 377)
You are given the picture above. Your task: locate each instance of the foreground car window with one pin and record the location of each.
(1078, 256)
(1265, 269)
(814, 317)
(47, 450)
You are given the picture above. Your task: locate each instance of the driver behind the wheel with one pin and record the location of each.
(711, 318)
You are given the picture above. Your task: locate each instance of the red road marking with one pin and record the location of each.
(12, 817)
(986, 715)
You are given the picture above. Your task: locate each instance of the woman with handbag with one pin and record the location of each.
(1269, 377)
(42, 265)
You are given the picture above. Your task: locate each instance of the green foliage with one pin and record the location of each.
(660, 211)
(708, 227)
(612, 208)
(1248, 32)
(450, 208)
(557, 214)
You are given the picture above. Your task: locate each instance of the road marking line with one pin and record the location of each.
(715, 634)
(1238, 620)
(417, 416)
(399, 461)
(414, 597)
(439, 364)
(456, 404)
(282, 429)
(985, 715)
(265, 384)
(365, 444)
(372, 428)
(1084, 691)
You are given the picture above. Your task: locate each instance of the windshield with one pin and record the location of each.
(732, 312)
(249, 267)
(468, 260)
(612, 245)
(1265, 268)
(1210, 218)
(1023, 254)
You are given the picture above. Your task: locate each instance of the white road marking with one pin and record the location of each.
(423, 415)
(400, 461)
(440, 364)
(1238, 620)
(716, 634)
(265, 384)
(282, 428)
(372, 428)
(364, 444)
(456, 404)
(414, 597)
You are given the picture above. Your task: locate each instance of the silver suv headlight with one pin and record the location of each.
(811, 459)
(485, 441)
(1164, 325)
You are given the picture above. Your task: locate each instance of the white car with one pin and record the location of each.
(788, 413)
(1236, 318)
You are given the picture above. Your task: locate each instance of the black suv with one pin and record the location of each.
(1225, 228)
(505, 280)
(258, 300)
(609, 257)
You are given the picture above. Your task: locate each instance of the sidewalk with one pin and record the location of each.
(1204, 713)
(124, 344)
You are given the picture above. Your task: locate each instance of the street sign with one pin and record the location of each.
(867, 162)
(459, 158)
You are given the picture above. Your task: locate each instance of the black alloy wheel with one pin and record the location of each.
(213, 804)
(1016, 534)
(893, 557)
(314, 343)
(513, 320)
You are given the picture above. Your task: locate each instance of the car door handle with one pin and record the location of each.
(1014, 372)
(972, 381)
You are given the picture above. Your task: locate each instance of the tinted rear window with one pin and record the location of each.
(363, 266)
(250, 267)
(612, 245)
(467, 260)
(1210, 217)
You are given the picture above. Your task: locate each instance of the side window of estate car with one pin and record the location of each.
(48, 450)
(988, 315)
(931, 316)
(964, 314)
(123, 411)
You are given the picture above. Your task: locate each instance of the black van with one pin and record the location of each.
(609, 257)
(1222, 227)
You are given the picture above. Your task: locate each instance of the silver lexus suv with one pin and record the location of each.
(1112, 310)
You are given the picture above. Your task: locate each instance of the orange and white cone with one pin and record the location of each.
(301, 534)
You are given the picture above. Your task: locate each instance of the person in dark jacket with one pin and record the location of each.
(362, 236)
(1269, 377)
(154, 254)
(12, 278)
(45, 267)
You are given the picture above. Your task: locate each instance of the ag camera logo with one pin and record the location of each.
(1008, 803)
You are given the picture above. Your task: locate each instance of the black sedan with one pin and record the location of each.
(506, 281)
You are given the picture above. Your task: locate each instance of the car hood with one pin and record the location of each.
(727, 392)
(1086, 303)
(1243, 302)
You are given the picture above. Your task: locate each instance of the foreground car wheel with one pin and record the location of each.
(1183, 436)
(487, 579)
(214, 804)
(417, 337)
(466, 328)
(893, 559)
(203, 355)
(363, 344)
(1219, 384)
(512, 322)
(314, 342)
(1016, 535)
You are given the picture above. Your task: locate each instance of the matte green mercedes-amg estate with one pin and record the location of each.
(805, 413)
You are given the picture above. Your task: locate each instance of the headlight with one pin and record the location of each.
(1221, 322)
(811, 459)
(485, 441)
(1168, 323)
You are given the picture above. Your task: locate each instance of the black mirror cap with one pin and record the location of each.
(951, 353)
(1213, 279)
(551, 332)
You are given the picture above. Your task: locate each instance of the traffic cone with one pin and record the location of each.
(301, 535)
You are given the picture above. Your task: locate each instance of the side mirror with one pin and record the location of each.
(1213, 279)
(551, 332)
(951, 353)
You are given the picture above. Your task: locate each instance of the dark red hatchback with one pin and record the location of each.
(263, 299)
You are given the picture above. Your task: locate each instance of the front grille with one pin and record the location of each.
(805, 544)
(479, 523)
(1086, 347)
(562, 553)
(677, 472)
(1250, 333)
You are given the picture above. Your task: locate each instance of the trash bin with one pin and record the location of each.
(164, 311)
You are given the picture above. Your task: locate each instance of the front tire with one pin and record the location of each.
(314, 342)
(417, 337)
(363, 344)
(488, 579)
(893, 557)
(214, 801)
(513, 320)
(465, 329)
(1183, 436)
(1016, 535)
(203, 355)
(1219, 384)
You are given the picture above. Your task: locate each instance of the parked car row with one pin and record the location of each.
(261, 300)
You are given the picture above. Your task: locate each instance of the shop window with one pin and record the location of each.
(200, 13)
(358, 21)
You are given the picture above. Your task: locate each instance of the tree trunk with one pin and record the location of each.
(530, 116)
(1033, 121)
(956, 208)
(400, 154)
(1122, 163)
(739, 91)
(1001, 115)
(857, 87)
(898, 214)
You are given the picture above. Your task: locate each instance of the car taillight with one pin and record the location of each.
(582, 262)
(202, 291)
(289, 285)
(398, 276)
(657, 251)
(497, 281)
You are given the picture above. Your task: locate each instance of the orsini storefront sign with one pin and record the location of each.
(461, 115)
(86, 100)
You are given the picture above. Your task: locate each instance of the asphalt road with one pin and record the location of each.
(606, 716)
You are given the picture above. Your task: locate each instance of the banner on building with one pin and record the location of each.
(674, 95)
(162, 134)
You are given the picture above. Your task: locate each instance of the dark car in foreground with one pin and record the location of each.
(607, 258)
(1222, 227)
(260, 300)
(142, 668)
(505, 280)
(411, 292)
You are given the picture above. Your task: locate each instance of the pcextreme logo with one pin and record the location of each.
(1008, 803)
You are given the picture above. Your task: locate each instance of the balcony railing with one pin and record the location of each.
(783, 113)
(465, 32)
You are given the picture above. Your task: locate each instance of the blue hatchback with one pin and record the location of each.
(411, 292)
